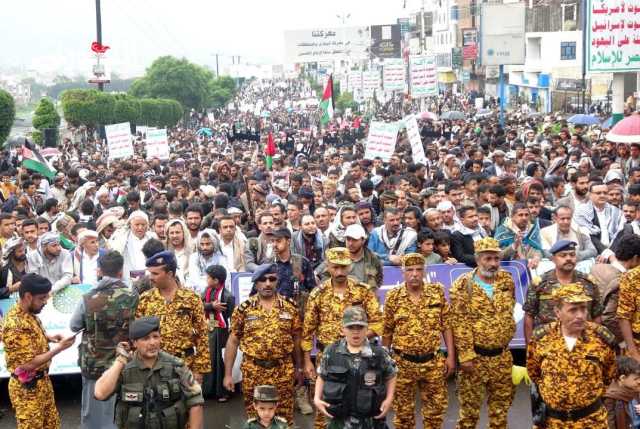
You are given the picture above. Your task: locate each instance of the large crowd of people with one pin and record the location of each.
(159, 240)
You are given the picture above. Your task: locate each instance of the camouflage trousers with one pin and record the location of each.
(281, 376)
(597, 420)
(490, 376)
(429, 379)
(35, 408)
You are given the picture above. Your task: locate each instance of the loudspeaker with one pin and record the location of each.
(50, 137)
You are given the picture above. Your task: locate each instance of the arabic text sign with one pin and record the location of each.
(413, 133)
(503, 34)
(423, 76)
(327, 44)
(393, 74)
(371, 82)
(381, 141)
(613, 32)
(119, 140)
(440, 273)
(157, 144)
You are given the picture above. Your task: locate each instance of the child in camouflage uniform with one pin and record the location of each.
(265, 402)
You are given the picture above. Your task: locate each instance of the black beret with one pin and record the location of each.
(263, 270)
(35, 284)
(217, 272)
(141, 327)
(562, 245)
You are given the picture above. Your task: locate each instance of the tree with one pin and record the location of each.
(44, 117)
(7, 114)
(126, 109)
(345, 101)
(177, 79)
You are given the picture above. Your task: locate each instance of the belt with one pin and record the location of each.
(415, 358)
(576, 414)
(186, 352)
(268, 364)
(488, 352)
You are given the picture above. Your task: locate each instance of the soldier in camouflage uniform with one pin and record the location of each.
(416, 319)
(105, 313)
(326, 305)
(182, 323)
(628, 312)
(267, 329)
(27, 355)
(572, 361)
(265, 402)
(482, 303)
(539, 305)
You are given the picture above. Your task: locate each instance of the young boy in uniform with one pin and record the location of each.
(265, 402)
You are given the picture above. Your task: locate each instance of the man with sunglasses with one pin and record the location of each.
(267, 329)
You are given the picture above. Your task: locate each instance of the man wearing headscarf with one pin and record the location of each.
(14, 266)
(206, 255)
(345, 216)
(180, 243)
(51, 261)
(85, 258)
(129, 241)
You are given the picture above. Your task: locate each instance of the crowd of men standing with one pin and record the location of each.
(159, 241)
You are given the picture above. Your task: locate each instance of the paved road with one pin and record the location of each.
(231, 414)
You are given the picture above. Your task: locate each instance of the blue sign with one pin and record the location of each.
(440, 273)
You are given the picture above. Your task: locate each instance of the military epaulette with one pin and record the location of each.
(605, 334)
(289, 300)
(244, 306)
(364, 285)
(587, 277)
(316, 291)
(280, 419)
(252, 420)
(541, 331)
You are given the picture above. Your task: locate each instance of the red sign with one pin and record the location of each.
(470, 52)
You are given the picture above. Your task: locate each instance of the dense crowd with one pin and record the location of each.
(316, 226)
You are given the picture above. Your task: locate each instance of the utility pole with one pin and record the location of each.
(99, 35)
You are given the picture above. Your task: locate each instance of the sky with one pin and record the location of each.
(51, 35)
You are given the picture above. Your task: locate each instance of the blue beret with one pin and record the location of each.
(262, 270)
(143, 326)
(562, 245)
(165, 257)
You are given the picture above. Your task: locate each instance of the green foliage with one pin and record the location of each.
(91, 107)
(44, 117)
(177, 79)
(7, 114)
(345, 101)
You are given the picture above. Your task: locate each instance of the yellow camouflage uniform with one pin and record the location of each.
(183, 326)
(323, 317)
(267, 342)
(629, 301)
(479, 322)
(416, 329)
(570, 380)
(24, 339)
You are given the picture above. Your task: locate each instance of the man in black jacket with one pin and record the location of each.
(465, 235)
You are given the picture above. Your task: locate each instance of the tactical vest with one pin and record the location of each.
(155, 402)
(108, 312)
(354, 392)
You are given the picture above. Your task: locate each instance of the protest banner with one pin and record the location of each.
(413, 133)
(157, 145)
(423, 75)
(613, 43)
(393, 74)
(381, 141)
(119, 140)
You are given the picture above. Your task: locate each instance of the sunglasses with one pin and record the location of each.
(269, 278)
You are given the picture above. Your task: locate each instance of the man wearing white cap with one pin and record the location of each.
(85, 258)
(366, 266)
(129, 241)
(51, 261)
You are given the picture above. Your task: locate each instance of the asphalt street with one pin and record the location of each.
(231, 415)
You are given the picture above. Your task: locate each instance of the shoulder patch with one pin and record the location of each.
(244, 306)
(605, 335)
(316, 291)
(364, 285)
(541, 331)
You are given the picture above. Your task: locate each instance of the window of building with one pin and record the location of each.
(567, 50)
(569, 16)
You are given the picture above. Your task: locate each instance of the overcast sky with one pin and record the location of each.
(56, 35)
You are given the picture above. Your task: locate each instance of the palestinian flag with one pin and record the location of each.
(327, 103)
(269, 151)
(34, 161)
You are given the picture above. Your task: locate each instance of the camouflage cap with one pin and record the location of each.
(572, 293)
(486, 244)
(413, 259)
(354, 316)
(266, 393)
(338, 256)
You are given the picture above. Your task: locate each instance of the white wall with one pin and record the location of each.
(549, 53)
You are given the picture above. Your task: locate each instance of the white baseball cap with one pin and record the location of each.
(355, 231)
